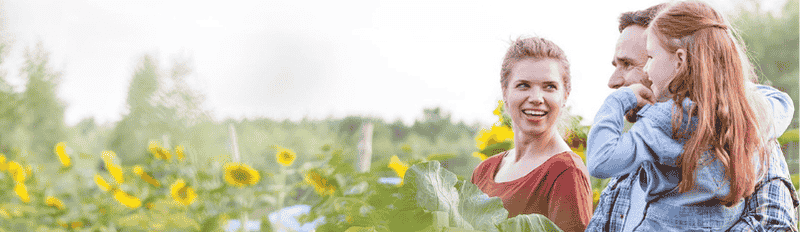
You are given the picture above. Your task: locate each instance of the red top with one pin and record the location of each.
(558, 189)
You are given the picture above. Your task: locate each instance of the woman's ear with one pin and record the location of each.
(681, 55)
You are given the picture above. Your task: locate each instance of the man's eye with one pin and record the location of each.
(522, 85)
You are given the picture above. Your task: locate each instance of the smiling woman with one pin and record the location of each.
(541, 174)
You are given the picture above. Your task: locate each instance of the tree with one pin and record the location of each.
(157, 105)
(433, 123)
(42, 113)
(772, 44)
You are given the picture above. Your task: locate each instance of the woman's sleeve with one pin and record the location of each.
(570, 205)
(610, 152)
(782, 108)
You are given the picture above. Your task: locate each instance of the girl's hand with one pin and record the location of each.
(643, 95)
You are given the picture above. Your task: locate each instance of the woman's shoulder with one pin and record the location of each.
(486, 167)
(568, 161)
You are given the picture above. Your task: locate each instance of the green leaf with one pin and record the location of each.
(357, 189)
(477, 208)
(789, 136)
(497, 148)
(435, 190)
(441, 157)
(528, 222)
(360, 229)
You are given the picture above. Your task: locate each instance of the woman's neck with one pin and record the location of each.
(546, 144)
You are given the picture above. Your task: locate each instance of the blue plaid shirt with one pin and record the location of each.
(772, 207)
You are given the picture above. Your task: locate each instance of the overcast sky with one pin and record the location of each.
(314, 59)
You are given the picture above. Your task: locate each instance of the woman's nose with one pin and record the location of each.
(536, 96)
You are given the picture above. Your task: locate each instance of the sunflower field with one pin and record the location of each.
(300, 177)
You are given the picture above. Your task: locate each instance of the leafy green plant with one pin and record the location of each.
(431, 199)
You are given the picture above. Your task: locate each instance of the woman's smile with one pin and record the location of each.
(535, 95)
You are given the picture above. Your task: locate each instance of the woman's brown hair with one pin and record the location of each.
(714, 77)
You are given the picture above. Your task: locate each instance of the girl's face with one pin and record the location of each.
(660, 67)
(534, 95)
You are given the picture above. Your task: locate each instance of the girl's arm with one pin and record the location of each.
(613, 153)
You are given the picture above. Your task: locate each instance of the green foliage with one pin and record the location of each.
(431, 199)
(772, 42)
(789, 136)
(43, 113)
(532, 222)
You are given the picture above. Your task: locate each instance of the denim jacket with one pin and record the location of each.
(647, 154)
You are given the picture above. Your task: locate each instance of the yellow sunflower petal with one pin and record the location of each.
(127, 200)
(146, 177)
(17, 171)
(320, 184)
(22, 192)
(3, 164)
(61, 152)
(479, 156)
(181, 193)
(179, 152)
(285, 156)
(116, 172)
(108, 156)
(398, 166)
(101, 183)
(54, 202)
(153, 148)
(239, 175)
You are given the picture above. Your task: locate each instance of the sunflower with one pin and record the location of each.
(149, 179)
(61, 151)
(580, 151)
(321, 185)
(54, 202)
(3, 164)
(497, 134)
(499, 110)
(108, 156)
(182, 193)
(116, 172)
(595, 196)
(22, 191)
(127, 200)
(179, 152)
(479, 156)
(159, 152)
(285, 156)
(164, 154)
(101, 183)
(153, 147)
(28, 170)
(76, 224)
(239, 174)
(398, 166)
(17, 171)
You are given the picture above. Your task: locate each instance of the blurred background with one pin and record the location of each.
(116, 75)
(101, 65)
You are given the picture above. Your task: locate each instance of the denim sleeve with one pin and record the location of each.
(611, 153)
(782, 108)
(773, 205)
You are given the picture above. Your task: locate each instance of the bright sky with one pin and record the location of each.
(315, 59)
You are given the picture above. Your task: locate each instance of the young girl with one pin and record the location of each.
(698, 145)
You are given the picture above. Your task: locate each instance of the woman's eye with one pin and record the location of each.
(550, 86)
(522, 85)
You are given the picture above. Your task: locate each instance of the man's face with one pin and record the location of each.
(630, 56)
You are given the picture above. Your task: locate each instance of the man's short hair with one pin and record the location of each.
(640, 17)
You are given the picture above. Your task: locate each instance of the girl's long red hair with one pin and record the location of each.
(713, 76)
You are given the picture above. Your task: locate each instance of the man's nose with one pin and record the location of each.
(616, 81)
